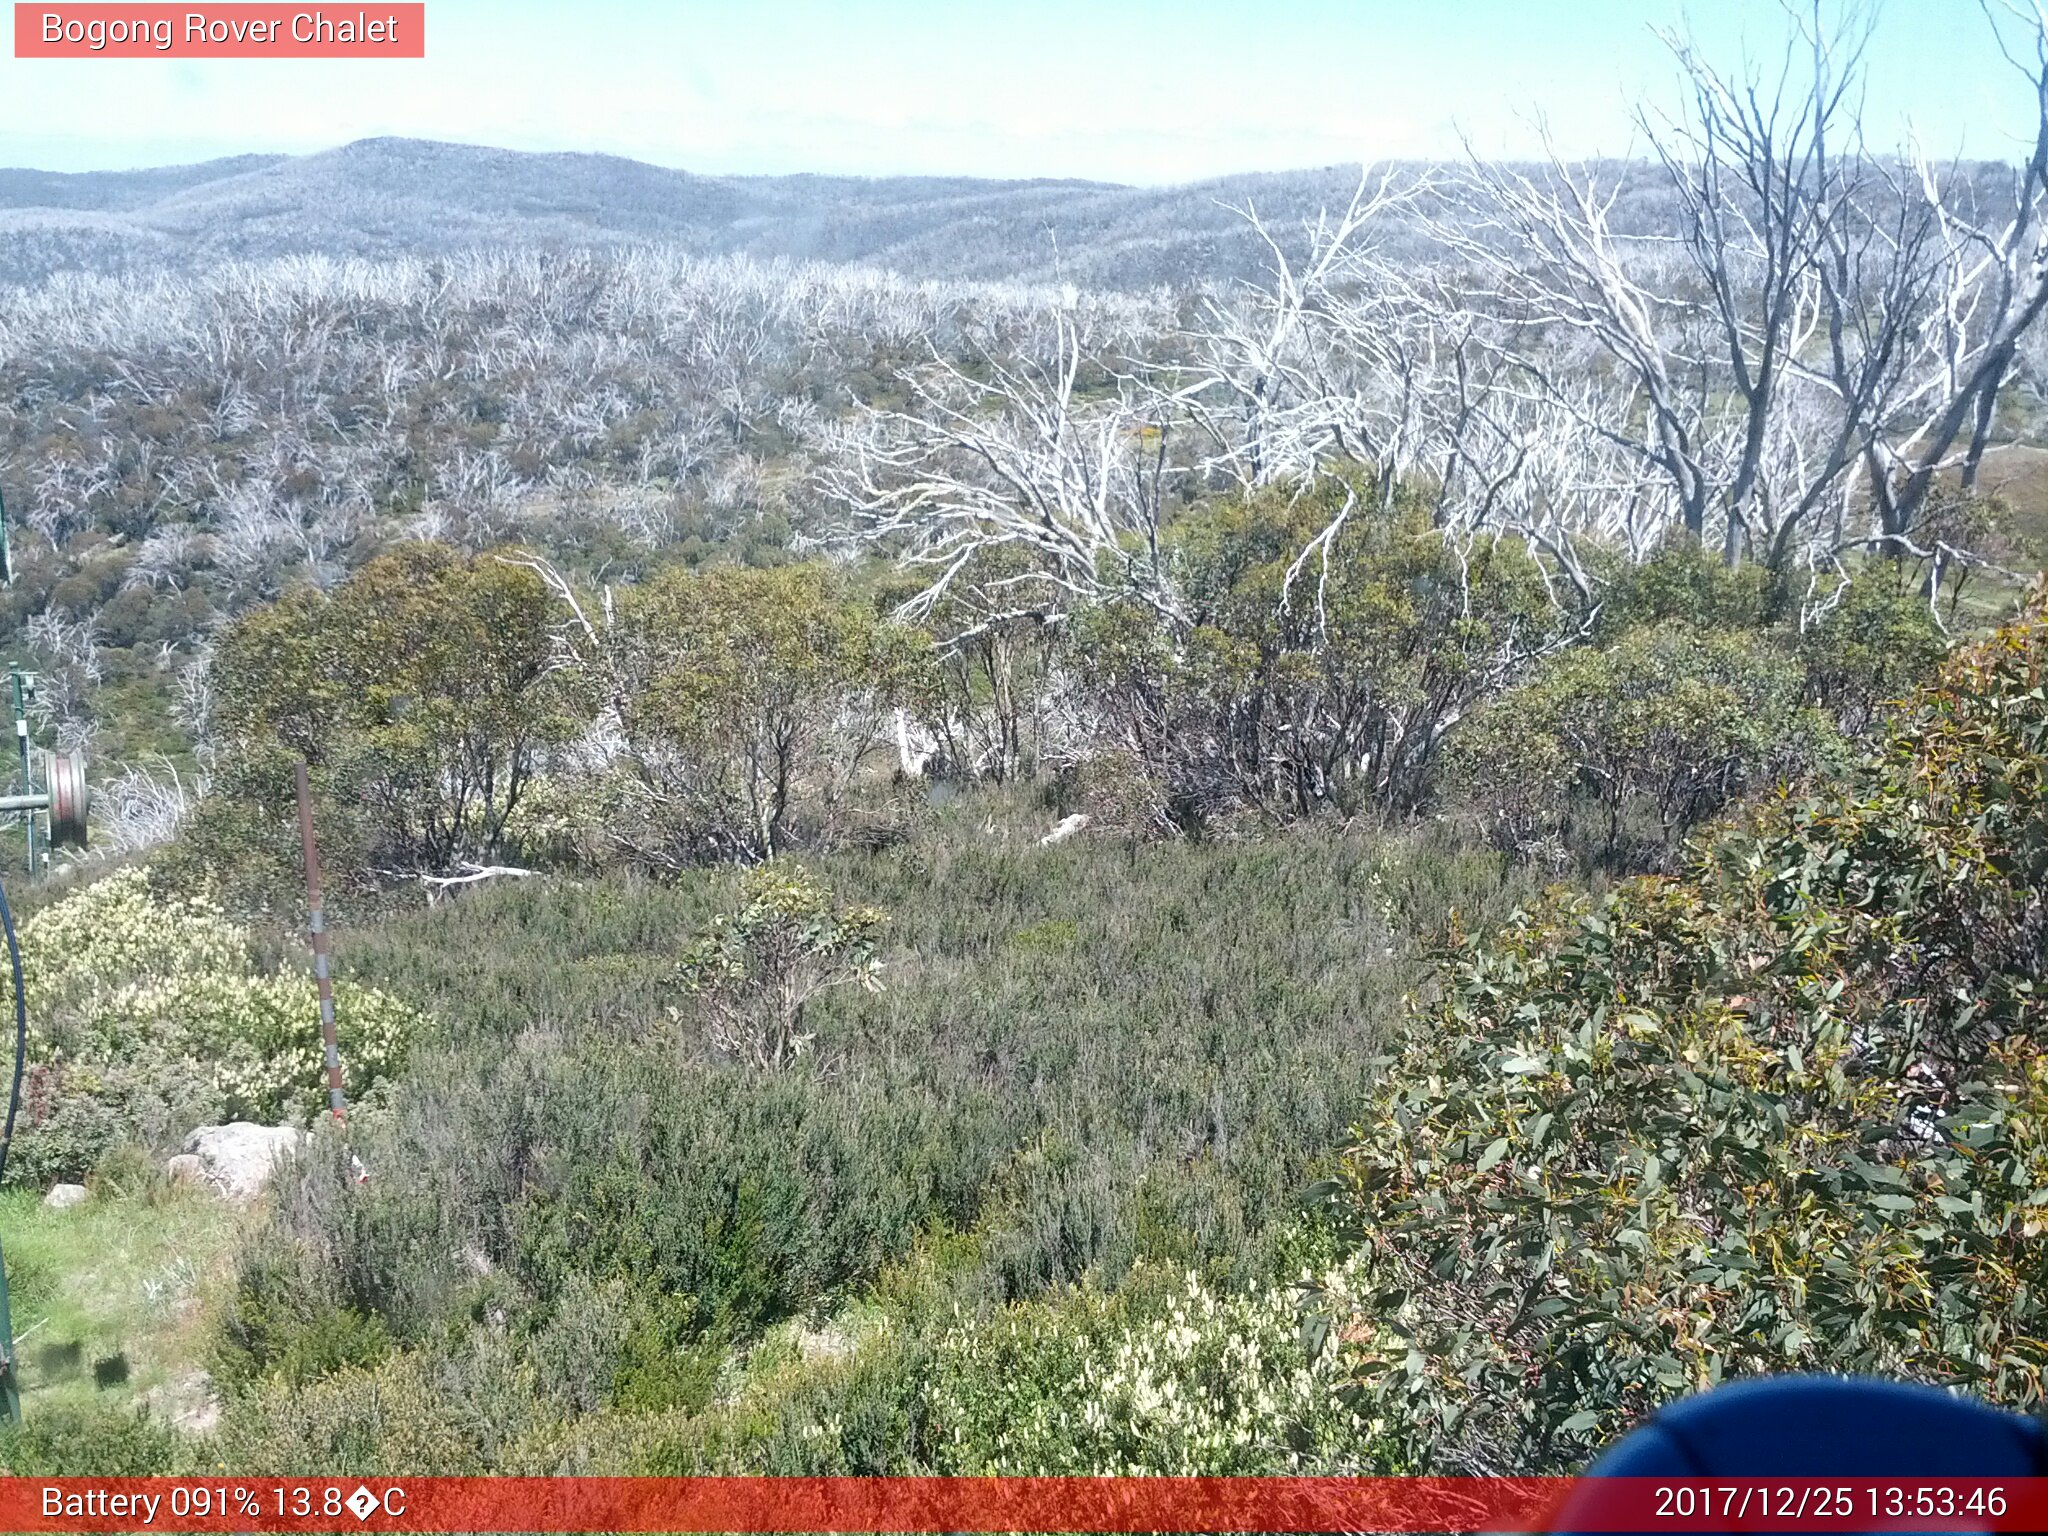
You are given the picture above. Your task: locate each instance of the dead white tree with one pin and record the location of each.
(1065, 464)
(1822, 337)
(1348, 359)
(1990, 286)
(143, 806)
(1324, 360)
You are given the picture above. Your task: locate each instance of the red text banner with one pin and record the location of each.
(238, 31)
(1105, 1504)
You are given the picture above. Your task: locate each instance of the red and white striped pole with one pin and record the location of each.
(322, 972)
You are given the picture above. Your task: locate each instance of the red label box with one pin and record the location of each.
(238, 31)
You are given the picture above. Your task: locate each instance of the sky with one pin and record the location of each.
(1143, 91)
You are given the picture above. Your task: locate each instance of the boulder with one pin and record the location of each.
(1067, 828)
(238, 1159)
(185, 1168)
(189, 1401)
(64, 1196)
(825, 1343)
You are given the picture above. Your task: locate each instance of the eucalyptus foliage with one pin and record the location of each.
(757, 967)
(751, 702)
(1787, 1111)
(1647, 736)
(1335, 640)
(420, 691)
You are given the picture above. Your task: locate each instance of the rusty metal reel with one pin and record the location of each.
(64, 773)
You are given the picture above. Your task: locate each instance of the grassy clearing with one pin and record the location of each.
(109, 1297)
(2016, 477)
(1084, 1054)
(1086, 1060)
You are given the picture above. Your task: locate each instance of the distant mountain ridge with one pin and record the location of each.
(380, 197)
(391, 196)
(112, 191)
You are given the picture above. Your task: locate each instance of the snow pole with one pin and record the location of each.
(317, 929)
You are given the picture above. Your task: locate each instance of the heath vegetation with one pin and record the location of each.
(1377, 869)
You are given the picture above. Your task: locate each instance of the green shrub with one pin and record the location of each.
(396, 1418)
(1052, 935)
(65, 1440)
(147, 1019)
(1309, 673)
(1875, 643)
(755, 972)
(264, 1337)
(1165, 1375)
(1684, 580)
(422, 693)
(989, 696)
(1649, 735)
(751, 702)
(621, 1207)
(1789, 1111)
(861, 1413)
(664, 1360)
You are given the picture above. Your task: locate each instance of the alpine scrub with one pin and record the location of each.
(1788, 1111)
(148, 1017)
(1167, 1375)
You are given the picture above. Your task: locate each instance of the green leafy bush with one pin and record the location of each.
(1314, 669)
(1683, 579)
(757, 969)
(1154, 1075)
(990, 694)
(397, 1418)
(751, 701)
(1874, 643)
(1167, 1374)
(1789, 1111)
(1644, 738)
(421, 692)
(66, 1440)
(147, 1018)
(263, 1335)
(860, 1412)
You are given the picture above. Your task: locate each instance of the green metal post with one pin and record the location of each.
(28, 783)
(10, 1373)
(10, 1377)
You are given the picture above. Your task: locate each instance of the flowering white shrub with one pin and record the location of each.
(1166, 1375)
(116, 931)
(147, 1016)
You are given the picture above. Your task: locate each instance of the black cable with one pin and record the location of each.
(20, 1031)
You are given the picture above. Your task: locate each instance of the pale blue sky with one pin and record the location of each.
(1142, 90)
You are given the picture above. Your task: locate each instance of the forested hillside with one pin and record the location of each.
(381, 198)
(399, 197)
(1372, 860)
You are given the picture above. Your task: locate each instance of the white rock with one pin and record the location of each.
(188, 1401)
(63, 1196)
(185, 1169)
(1066, 829)
(826, 1343)
(239, 1159)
